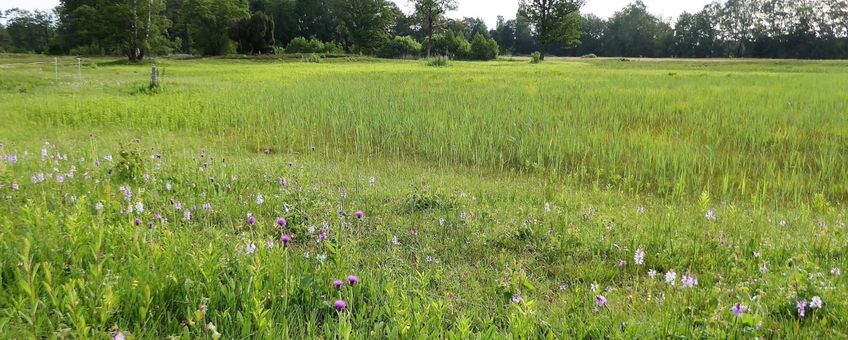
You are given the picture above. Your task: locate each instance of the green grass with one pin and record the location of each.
(560, 169)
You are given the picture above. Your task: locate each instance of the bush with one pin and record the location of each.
(333, 48)
(438, 61)
(400, 47)
(536, 57)
(589, 56)
(450, 44)
(301, 45)
(483, 48)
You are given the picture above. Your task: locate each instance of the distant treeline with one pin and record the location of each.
(135, 28)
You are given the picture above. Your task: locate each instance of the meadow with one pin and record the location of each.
(576, 198)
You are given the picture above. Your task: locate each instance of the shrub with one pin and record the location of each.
(312, 58)
(450, 44)
(536, 57)
(400, 47)
(333, 47)
(438, 61)
(589, 56)
(483, 48)
(302, 45)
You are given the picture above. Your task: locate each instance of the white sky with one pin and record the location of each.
(488, 10)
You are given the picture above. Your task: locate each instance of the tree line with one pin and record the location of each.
(139, 28)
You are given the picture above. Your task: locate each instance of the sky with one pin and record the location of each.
(488, 10)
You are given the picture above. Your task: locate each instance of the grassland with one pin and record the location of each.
(500, 199)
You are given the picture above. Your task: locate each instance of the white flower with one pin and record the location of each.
(835, 271)
(98, 206)
(139, 207)
(670, 277)
(652, 273)
(816, 302)
(259, 199)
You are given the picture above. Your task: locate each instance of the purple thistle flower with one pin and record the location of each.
(816, 302)
(516, 298)
(738, 309)
(178, 205)
(118, 336)
(710, 215)
(281, 222)
(340, 305)
(151, 224)
(285, 239)
(352, 280)
(338, 284)
(802, 307)
(600, 301)
(137, 221)
(689, 281)
(322, 236)
(622, 263)
(250, 219)
(639, 256)
(360, 214)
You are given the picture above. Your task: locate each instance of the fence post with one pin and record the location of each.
(154, 77)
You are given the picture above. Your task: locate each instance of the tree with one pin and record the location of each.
(129, 27)
(30, 31)
(553, 21)
(430, 14)
(209, 22)
(633, 32)
(504, 34)
(364, 24)
(403, 24)
(483, 48)
(254, 34)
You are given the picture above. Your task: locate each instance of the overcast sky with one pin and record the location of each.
(486, 9)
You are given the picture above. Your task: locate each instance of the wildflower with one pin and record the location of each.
(269, 244)
(782, 223)
(547, 207)
(639, 256)
(338, 284)
(259, 199)
(816, 302)
(168, 186)
(372, 181)
(516, 298)
(340, 305)
(622, 263)
(689, 281)
(462, 215)
(187, 215)
(281, 222)
(822, 224)
(98, 206)
(593, 287)
(835, 271)
(151, 224)
(251, 248)
(137, 221)
(16, 187)
(322, 236)
(139, 207)
(710, 215)
(178, 205)
(764, 268)
(321, 257)
(352, 280)
(250, 219)
(207, 207)
(283, 181)
(118, 336)
(670, 277)
(441, 222)
(108, 158)
(395, 241)
(600, 301)
(60, 178)
(757, 254)
(360, 214)
(652, 273)
(311, 229)
(738, 309)
(285, 239)
(640, 209)
(430, 259)
(343, 193)
(802, 307)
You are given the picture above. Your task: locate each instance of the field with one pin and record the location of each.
(569, 199)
